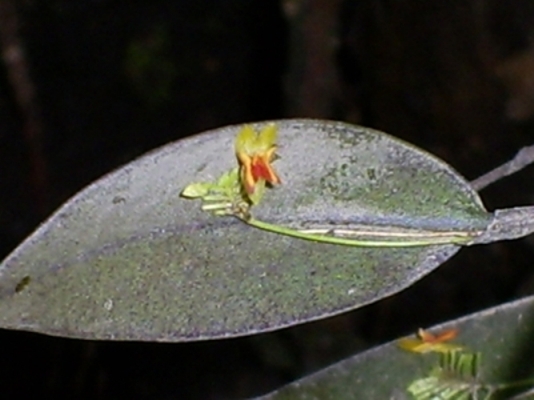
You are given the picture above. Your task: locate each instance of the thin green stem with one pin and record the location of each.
(505, 386)
(406, 241)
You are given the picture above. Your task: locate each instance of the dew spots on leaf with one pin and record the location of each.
(201, 167)
(22, 284)
(108, 305)
(118, 200)
(371, 174)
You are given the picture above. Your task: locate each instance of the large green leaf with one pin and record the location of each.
(127, 258)
(503, 336)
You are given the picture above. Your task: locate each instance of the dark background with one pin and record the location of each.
(88, 85)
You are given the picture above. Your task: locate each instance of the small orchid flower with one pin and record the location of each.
(427, 342)
(255, 152)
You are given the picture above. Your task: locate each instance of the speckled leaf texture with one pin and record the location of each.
(128, 259)
(503, 335)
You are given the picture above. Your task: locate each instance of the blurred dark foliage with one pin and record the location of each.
(115, 79)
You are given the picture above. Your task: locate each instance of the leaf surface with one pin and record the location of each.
(128, 259)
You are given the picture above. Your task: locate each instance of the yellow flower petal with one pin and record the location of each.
(255, 152)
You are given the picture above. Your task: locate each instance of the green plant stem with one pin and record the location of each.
(511, 385)
(407, 241)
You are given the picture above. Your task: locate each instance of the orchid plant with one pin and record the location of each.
(236, 191)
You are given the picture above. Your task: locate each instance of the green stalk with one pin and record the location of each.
(457, 238)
